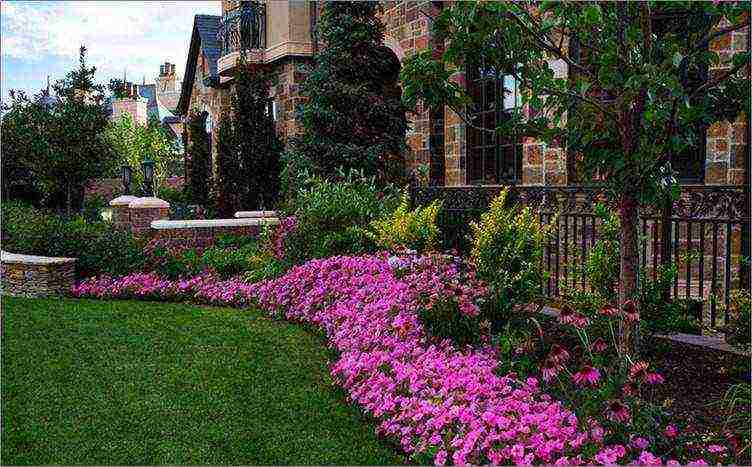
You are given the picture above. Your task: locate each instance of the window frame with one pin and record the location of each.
(493, 144)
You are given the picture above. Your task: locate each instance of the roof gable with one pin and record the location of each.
(203, 39)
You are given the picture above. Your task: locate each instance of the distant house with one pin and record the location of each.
(152, 101)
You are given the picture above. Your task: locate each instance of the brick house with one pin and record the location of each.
(145, 101)
(283, 35)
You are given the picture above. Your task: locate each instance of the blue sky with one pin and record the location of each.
(42, 38)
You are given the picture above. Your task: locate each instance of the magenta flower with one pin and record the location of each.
(587, 376)
(638, 371)
(609, 310)
(617, 411)
(647, 458)
(550, 369)
(653, 378)
(716, 449)
(599, 345)
(630, 311)
(558, 354)
(671, 432)
(639, 442)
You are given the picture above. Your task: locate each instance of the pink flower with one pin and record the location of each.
(617, 411)
(716, 449)
(599, 345)
(558, 354)
(609, 310)
(587, 376)
(697, 463)
(567, 315)
(630, 311)
(440, 458)
(638, 371)
(670, 432)
(647, 458)
(610, 455)
(549, 369)
(653, 378)
(639, 443)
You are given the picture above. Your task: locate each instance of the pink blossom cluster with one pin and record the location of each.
(150, 286)
(437, 401)
(281, 231)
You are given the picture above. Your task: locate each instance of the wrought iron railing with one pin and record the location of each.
(243, 28)
(705, 233)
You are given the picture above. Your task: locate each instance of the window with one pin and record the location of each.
(689, 164)
(436, 147)
(492, 158)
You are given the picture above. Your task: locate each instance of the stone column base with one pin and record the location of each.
(121, 216)
(145, 210)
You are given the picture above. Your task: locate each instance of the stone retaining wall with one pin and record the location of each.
(36, 276)
(203, 233)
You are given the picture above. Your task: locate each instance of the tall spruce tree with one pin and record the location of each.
(256, 142)
(354, 117)
(229, 184)
(199, 152)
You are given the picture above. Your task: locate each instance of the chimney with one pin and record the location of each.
(166, 82)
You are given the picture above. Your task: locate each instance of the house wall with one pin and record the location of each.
(408, 31)
(209, 99)
(291, 74)
(135, 107)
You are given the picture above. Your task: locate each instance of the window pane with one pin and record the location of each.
(512, 98)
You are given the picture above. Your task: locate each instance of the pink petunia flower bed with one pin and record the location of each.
(440, 403)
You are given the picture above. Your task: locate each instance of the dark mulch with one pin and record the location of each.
(696, 377)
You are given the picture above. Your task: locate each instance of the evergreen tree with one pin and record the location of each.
(199, 153)
(229, 184)
(354, 117)
(249, 147)
(59, 140)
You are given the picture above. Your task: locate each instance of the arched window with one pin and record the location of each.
(492, 158)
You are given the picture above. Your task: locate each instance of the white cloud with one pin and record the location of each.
(131, 35)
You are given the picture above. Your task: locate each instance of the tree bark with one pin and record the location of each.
(628, 215)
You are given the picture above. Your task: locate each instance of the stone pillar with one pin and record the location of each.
(145, 210)
(121, 217)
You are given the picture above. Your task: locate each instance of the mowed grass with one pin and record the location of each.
(95, 382)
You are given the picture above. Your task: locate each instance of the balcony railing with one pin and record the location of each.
(243, 28)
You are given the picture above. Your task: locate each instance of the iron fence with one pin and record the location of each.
(705, 232)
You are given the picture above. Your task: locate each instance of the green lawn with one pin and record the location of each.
(94, 382)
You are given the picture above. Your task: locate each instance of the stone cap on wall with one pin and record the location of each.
(150, 202)
(15, 258)
(123, 200)
(255, 214)
(211, 223)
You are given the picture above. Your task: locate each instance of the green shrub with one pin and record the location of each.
(738, 330)
(100, 248)
(508, 246)
(445, 321)
(229, 261)
(660, 316)
(601, 267)
(405, 229)
(333, 217)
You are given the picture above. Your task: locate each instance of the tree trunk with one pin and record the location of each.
(628, 214)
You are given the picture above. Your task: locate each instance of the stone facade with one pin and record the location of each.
(291, 73)
(408, 30)
(143, 211)
(201, 237)
(408, 26)
(36, 276)
(136, 107)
